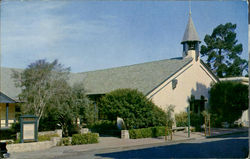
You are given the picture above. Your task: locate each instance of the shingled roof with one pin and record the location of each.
(190, 32)
(7, 85)
(5, 99)
(144, 77)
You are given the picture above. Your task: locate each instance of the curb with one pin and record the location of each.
(229, 133)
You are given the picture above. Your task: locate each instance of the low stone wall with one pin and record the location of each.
(46, 132)
(58, 131)
(33, 146)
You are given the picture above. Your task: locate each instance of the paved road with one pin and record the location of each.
(231, 146)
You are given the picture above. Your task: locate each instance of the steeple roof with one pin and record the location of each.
(190, 32)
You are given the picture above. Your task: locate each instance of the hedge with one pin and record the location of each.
(89, 138)
(105, 127)
(7, 134)
(133, 107)
(147, 132)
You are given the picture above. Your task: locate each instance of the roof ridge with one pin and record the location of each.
(172, 59)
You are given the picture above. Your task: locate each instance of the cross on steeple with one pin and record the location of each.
(189, 8)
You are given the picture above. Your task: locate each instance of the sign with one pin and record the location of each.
(28, 127)
(28, 131)
(120, 124)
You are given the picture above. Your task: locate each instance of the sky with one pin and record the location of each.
(92, 35)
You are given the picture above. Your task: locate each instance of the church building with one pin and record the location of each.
(165, 82)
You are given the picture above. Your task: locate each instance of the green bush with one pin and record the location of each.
(89, 138)
(227, 102)
(196, 121)
(147, 132)
(133, 106)
(105, 127)
(181, 119)
(64, 141)
(46, 137)
(7, 134)
(15, 127)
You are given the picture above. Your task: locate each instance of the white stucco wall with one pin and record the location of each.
(192, 79)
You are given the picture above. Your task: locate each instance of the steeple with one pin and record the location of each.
(190, 40)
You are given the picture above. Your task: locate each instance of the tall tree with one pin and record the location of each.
(40, 81)
(223, 52)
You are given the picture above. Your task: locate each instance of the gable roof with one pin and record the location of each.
(144, 77)
(209, 70)
(7, 85)
(6, 99)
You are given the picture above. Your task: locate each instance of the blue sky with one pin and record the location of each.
(91, 35)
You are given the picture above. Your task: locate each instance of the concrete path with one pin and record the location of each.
(113, 142)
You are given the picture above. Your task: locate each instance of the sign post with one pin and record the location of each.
(28, 128)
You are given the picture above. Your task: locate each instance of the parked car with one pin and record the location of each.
(3, 150)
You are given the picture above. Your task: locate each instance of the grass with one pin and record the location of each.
(46, 137)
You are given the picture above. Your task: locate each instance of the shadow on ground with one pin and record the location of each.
(225, 148)
(234, 135)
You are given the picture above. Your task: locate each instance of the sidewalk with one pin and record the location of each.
(114, 143)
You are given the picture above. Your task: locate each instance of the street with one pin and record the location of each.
(231, 146)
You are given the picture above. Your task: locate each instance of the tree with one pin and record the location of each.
(131, 105)
(40, 81)
(223, 52)
(70, 104)
(227, 101)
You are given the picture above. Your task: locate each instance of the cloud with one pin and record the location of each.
(33, 30)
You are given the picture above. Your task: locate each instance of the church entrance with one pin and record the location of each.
(197, 105)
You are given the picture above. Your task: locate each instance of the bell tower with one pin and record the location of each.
(190, 41)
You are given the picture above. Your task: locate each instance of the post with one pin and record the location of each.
(7, 115)
(205, 123)
(171, 133)
(166, 133)
(209, 125)
(189, 119)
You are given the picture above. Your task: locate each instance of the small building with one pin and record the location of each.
(7, 111)
(8, 98)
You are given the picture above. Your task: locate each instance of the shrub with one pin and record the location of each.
(105, 127)
(15, 127)
(64, 141)
(147, 132)
(131, 105)
(7, 134)
(227, 101)
(181, 119)
(73, 129)
(89, 138)
(196, 121)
